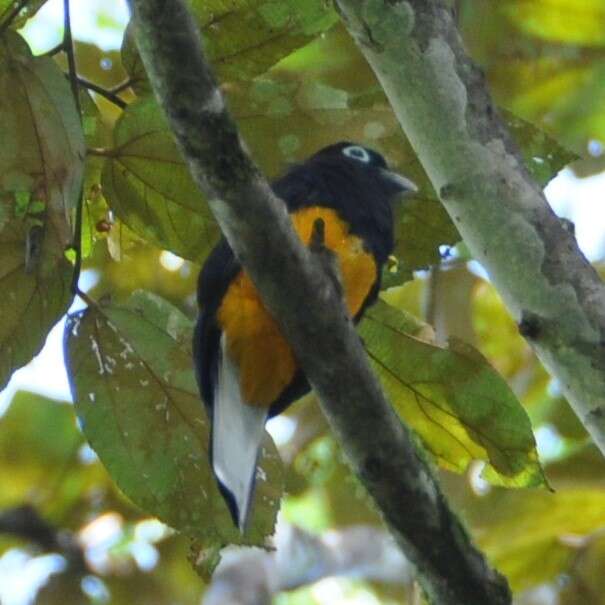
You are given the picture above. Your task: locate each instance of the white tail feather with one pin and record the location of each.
(237, 432)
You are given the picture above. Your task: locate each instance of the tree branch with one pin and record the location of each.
(310, 313)
(444, 107)
(26, 523)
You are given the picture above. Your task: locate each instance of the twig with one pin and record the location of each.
(68, 47)
(51, 52)
(110, 95)
(121, 86)
(380, 448)
(25, 522)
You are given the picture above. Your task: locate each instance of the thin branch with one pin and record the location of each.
(51, 52)
(502, 214)
(310, 313)
(17, 8)
(26, 523)
(110, 95)
(122, 86)
(68, 47)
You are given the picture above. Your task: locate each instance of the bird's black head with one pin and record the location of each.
(356, 182)
(365, 164)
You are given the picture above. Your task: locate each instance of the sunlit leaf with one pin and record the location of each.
(459, 406)
(550, 75)
(529, 534)
(136, 397)
(569, 21)
(148, 186)
(543, 156)
(41, 164)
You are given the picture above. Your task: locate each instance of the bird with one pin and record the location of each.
(245, 369)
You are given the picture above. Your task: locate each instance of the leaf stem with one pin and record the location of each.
(122, 86)
(109, 94)
(51, 52)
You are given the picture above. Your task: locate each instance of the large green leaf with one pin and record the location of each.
(456, 402)
(244, 38)
(131, 373)
(41, 166)
(147, 184)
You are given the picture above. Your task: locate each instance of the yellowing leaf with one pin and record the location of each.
(138, 404)
(459, 406)
(41, 165)
(530, 535)
(147, 184)
(568, 21)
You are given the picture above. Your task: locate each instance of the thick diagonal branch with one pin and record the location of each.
(309, 311)
(444, 107)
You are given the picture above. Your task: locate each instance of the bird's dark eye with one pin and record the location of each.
(357, 153)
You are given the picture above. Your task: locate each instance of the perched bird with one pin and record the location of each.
(245, 369)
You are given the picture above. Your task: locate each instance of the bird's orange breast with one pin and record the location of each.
(265, 360)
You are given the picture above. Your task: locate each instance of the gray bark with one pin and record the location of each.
(444, 107)
(294, 286)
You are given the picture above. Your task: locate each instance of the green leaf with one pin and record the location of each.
(147, 184)
(28, 11)
(41, 165)
(132, 380)
(39, 443)
(459, 406)
(131, 61)
(543, 155)
(244, 38)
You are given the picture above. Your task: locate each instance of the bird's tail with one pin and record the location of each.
(237, 432)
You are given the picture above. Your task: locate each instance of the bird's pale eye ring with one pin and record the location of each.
(357, 153)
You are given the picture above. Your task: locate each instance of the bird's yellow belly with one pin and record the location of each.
(265, 360)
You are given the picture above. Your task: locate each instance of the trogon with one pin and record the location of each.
(245, 369)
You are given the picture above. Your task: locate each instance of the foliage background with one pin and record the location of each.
(295, 82)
